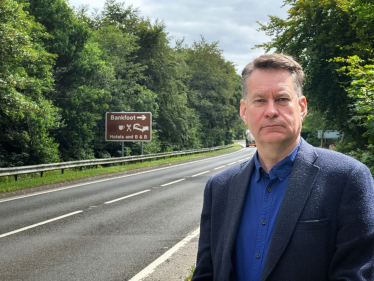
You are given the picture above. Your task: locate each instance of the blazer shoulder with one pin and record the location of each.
(330, 158)
(325, 158)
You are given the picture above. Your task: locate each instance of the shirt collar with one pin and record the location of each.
(279, 170)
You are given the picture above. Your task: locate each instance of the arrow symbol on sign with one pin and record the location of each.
(141, 117)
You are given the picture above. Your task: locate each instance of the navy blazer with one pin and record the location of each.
(324, 229)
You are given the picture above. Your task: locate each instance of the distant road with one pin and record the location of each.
(105, 230)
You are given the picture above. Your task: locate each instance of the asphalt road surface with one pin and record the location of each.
(105, 230)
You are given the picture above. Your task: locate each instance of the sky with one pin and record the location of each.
(230, 22)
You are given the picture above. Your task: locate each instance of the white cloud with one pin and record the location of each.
(231, 22)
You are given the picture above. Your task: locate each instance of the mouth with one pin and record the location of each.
(272, 126)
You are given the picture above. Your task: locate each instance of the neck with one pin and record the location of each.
(270, 155)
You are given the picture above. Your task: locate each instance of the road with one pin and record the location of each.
(105, 230)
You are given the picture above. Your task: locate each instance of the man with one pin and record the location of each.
(293, 212)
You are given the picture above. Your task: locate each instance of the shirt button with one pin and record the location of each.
(264, 222)
(258, 256)
(269, 189)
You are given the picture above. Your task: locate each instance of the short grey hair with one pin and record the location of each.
(274, 62)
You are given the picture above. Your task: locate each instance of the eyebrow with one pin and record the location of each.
(261, 95)
(258, 95)
(283, 93)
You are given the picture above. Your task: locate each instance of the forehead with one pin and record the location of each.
(270, 82)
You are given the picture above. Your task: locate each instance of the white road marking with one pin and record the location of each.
(231, 163)
(128, 196)
(98, 181)
(200, 174)
(220, 167)
(38, 224)
(172, 182)
(150, 268)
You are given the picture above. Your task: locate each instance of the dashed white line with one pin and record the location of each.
(38, 224)
(231, 163)
(200, 174)
(220, 167)
(128, 196)
(172, 182)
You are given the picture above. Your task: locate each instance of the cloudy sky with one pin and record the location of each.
(231, 22)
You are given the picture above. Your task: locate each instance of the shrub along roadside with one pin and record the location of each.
(8, 184)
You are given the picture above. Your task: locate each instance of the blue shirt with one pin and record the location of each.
(259, 215)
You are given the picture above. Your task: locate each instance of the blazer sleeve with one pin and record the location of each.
(204, 264)
(354, 255)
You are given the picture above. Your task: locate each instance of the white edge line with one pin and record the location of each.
(200, 174)
(38, 224)
(131, 195)
(220, 167)
(150, 268)
(172, 182)
(125, 176)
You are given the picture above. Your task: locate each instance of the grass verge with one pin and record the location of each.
(8, 184)
(189, 277)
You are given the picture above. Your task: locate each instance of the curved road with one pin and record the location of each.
(105, 230)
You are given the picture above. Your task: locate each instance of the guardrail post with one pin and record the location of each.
(16, 177)
(41, 174)
(62, 171)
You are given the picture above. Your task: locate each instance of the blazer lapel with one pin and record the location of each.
(298, 189)
(236, 198)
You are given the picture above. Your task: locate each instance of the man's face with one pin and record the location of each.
(272, 111)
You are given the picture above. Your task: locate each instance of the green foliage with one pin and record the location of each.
(25, 75)
(314, 33)
(63, 69)
(214, 92)
(69, 35)
(325, 36)
(361, 90)
(312, 123)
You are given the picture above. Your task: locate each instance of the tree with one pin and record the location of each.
(214, 92)
(361, 89)
(314, 33)
(26, 117)
(164, 74)
(127, 94)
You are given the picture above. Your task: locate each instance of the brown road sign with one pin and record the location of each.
(128, 126)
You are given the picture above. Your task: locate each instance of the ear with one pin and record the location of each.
(303, 107)
(243, 111)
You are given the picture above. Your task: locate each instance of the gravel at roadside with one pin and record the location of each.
(178, 266)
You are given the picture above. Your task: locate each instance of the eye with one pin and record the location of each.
(282, 100)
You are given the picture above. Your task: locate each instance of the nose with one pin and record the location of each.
(271, 110)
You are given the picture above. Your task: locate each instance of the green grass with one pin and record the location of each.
(189, 277)
(8, 184)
